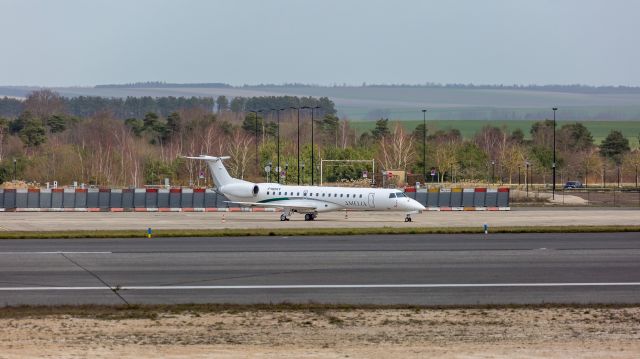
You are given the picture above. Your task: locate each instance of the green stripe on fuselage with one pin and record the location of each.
(273, 200)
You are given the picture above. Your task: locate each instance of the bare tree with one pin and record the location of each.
(490, 139)
(44, 103)
(593, 164)
(239, 149)
(396, 149)
(511, 157)
(631, 163)
(4, 128)
(446, 157)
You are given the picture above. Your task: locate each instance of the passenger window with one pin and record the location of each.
(317, 194)
(279, 193)
(360, 196)
(323, 195)
(340, 194)
(392, 195)
(298, 193)
(347, 195)
(335, 195)
(267, 192)
(285, 193)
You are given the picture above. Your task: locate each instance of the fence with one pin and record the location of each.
(186, 199)
(601, 197)
(463, 199)
(137, 199)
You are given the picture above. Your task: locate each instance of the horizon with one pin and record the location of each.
(151, 84)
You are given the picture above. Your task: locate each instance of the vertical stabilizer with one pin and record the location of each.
(219, 173)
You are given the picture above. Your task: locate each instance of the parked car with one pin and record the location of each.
(573, 184)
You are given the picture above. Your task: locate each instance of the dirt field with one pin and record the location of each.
(318, 333)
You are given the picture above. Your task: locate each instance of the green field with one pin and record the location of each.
(599, 129)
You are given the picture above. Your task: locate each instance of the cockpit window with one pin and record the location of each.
(400, 194)
(392, 195)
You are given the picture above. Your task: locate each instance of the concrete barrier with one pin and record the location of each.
(207, 200)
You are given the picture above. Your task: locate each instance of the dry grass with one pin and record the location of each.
(134, 311)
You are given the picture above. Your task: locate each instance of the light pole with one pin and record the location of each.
(15, 169)
(286, 170)
(424, 144)
(493, 171)
(302, 165)
(278, 139)
(526, 176)
(256, 140)
(518, 176)
(312, 147)
(267, 168)
(298, 108)
(553, 187)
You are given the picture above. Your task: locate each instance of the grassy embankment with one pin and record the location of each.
(310, 232)
(152, 311)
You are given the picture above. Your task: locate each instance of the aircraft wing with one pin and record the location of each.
(297, 205)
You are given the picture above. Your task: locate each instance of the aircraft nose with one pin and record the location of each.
(415, 205)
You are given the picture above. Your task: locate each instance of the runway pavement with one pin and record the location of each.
(404, 269)
(538, 217)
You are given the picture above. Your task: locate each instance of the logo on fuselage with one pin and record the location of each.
(355, 203)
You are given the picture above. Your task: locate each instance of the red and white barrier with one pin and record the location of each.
(455, 209)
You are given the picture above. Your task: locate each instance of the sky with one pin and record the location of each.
(326, 42)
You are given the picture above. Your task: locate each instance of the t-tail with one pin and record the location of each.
(219, 173)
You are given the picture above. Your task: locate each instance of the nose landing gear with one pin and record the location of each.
(407, 218)
(285, 215)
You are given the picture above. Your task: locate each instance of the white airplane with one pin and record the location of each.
(309, 200)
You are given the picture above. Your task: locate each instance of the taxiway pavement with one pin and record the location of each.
(537, 217)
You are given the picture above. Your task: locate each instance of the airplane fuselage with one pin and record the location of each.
(328, 198)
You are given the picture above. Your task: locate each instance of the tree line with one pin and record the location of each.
(49, 143)
(138, 107)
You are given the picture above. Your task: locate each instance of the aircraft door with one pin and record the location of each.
(372, 204)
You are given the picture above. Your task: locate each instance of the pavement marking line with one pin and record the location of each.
(327, 286)
(56, 253)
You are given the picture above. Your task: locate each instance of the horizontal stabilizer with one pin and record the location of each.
(207, 158)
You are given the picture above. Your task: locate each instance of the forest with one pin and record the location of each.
(50, 140)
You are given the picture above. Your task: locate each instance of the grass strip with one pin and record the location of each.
(308, 231)
(152, 311)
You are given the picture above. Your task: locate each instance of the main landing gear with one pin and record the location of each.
(310, 216)
(407, 218)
